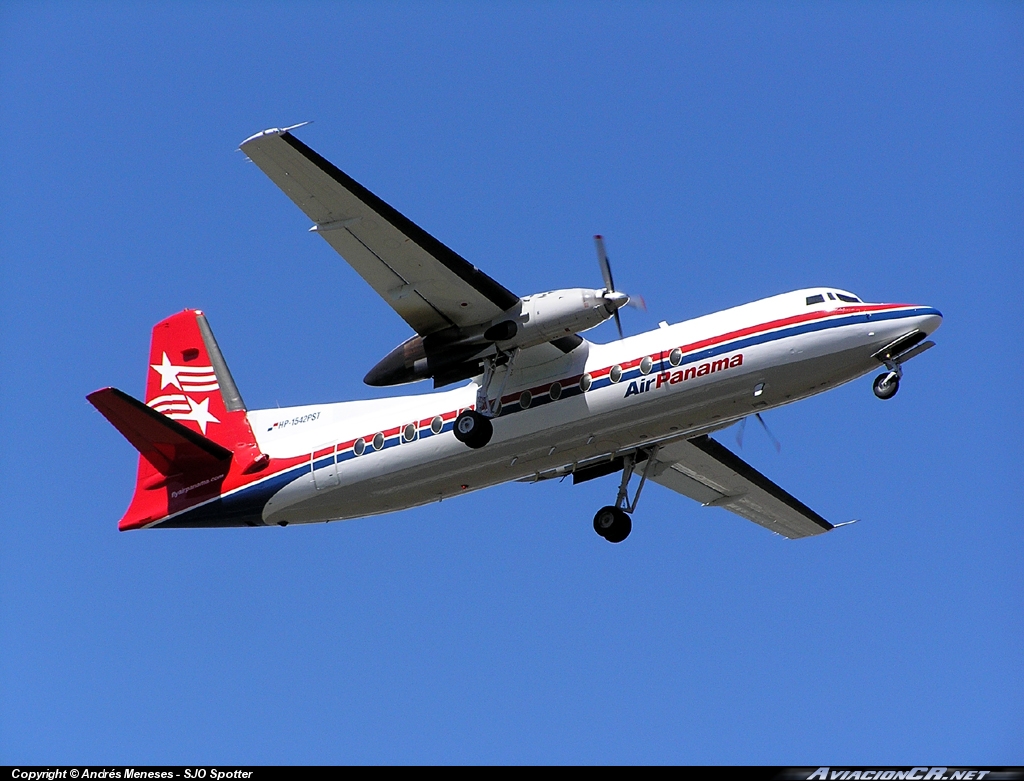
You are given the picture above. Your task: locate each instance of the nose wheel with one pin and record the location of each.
(886, 385)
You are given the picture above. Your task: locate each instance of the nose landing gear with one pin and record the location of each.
(893, 356)
(887, 383)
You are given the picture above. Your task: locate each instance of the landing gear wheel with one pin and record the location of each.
(613, 524)
(886, 385)
(473, 429)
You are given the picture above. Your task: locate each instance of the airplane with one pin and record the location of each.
(530, 399)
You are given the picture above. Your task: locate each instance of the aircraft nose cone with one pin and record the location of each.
(931, 321)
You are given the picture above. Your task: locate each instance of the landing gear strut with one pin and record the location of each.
(613, 522)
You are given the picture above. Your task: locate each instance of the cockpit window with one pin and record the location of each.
(848, 299)
(818, 299)
(831, 296)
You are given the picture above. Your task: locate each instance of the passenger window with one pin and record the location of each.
(818, 299)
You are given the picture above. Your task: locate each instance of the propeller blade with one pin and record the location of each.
(602, 260)
(739, 432)
(771, 436)
(637, 302)
(618, 323)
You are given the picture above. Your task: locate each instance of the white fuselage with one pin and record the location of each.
(780, 348)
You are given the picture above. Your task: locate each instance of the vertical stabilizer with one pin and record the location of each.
(192, 433)
(188, 381)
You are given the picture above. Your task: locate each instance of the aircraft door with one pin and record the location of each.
(325, 468)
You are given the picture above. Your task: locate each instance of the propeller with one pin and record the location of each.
(615, 298)
(743, 426)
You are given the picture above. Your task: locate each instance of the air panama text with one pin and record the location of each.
(681, 375)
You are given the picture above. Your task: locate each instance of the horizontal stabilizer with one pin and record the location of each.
(168, 445)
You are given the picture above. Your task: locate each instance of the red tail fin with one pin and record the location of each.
(183, 461)
(189, 381)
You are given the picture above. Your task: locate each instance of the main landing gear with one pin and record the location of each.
(473, 427)
(613, 522)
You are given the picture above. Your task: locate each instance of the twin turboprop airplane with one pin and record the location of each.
(541, 401)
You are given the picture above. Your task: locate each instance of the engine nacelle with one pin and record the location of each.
(456, 353)
(545, 317)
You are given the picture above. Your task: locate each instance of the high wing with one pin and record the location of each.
(429, 285)
(704, 470)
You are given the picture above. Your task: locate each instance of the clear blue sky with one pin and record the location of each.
(728, 152)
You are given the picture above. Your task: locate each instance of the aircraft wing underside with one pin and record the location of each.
(704, 470)
(429, 285)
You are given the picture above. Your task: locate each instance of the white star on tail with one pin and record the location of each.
(195, 379)
(168, 373)
(199, 412)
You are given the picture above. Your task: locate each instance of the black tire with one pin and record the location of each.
(885, 385)
(473, 429)
(613, 524)
(623, 527)
(604, 521)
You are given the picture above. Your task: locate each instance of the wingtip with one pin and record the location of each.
(273, 131)
(100, 394)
